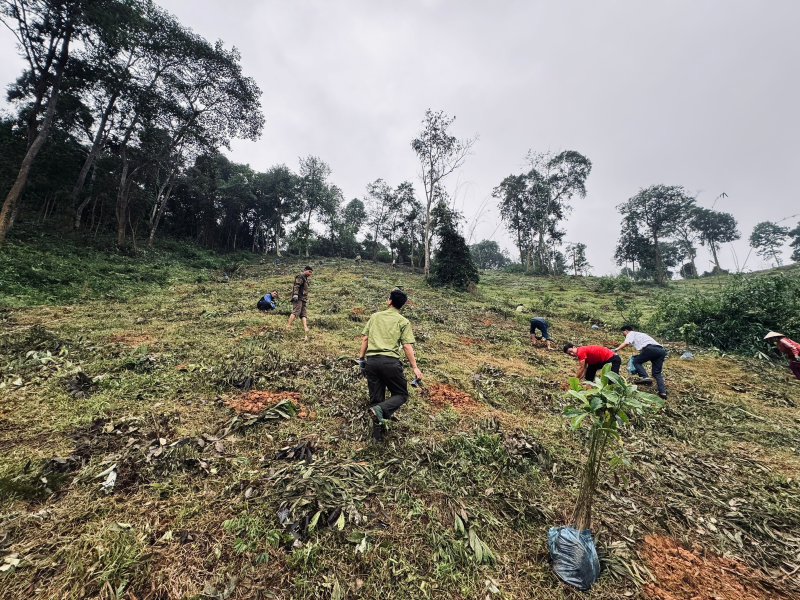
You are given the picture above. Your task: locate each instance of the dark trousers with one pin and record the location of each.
(655, 356)
(386, 372)
(541, 325)
(591, 370)
(795, 367)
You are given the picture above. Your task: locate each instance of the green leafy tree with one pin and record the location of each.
(280, 189)
(606, 406)
(767, 239)
(633, 247)
(658, 209)
(686, 238)
(795, 243)
(413, 231)
(714, 228)
(554, 179)
(439, 153)
(354, 216)
(352, 221)
(488, 255)
(514, 210)
(453, 264)
(315, 192)
(44, 31)
(534, 204)
(332, 218)
(379, 202)
(132, 30)
(638, 250)
(403, 200)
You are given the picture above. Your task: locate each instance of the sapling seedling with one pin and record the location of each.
(606, 406)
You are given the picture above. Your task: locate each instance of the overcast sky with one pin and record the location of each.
(703, 94)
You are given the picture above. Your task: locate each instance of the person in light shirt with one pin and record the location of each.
(649, 351)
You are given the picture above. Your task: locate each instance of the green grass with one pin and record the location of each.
(161, 357)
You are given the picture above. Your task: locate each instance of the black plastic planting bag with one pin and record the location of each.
(574, 556)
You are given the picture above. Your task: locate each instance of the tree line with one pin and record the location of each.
(121, 113)
(119, 117)
(661, 227)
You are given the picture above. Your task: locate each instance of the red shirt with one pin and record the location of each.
(594, 355)
(788, 347)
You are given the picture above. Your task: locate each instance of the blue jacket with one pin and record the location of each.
(268, 299)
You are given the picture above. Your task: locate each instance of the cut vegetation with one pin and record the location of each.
(164, 439)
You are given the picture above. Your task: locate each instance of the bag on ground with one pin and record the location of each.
(573, 555)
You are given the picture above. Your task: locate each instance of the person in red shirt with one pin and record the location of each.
(788, 347)
(591, 359)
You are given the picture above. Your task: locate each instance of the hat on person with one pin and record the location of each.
(772, 335)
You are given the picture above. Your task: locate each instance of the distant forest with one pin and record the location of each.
(118, 122)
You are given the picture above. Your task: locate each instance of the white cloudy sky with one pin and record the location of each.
(699, 93)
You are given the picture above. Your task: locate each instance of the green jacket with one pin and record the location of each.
(387, 330)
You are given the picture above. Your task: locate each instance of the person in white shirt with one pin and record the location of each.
(649, 351)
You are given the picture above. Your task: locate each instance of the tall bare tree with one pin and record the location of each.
(439, 153)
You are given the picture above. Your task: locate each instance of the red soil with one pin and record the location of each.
(698, 575)
(440, 395)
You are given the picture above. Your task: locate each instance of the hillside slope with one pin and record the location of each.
(456, 504)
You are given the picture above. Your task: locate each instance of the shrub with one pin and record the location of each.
(735, 318)
(623, 283)
(452, 263)
(606, 284)
(515, 268)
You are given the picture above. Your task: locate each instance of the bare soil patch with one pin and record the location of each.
(440, 395)
(698, 575)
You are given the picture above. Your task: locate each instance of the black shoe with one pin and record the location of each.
(377, 432)
(662, 395)
(644, 380)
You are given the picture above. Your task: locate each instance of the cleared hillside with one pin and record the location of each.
(456, 504)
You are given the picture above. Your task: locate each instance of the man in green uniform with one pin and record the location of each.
(300, 297)
(384, 335)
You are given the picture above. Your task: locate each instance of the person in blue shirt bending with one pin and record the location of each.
(267, 302)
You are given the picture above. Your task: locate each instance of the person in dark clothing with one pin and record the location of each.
(649, 351)
(383, 336)
(299, 298)
(540, 324)
(591, 359)
(267, 302)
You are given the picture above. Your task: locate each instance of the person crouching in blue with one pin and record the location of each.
(540, 324)
(267, 303)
